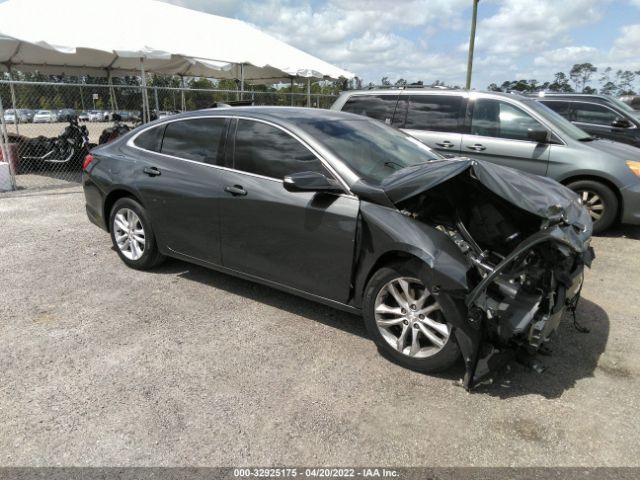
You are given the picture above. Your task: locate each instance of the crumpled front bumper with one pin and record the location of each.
(519, 323)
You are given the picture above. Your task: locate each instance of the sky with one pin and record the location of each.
(427, 39)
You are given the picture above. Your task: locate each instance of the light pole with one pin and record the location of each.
(472, 41)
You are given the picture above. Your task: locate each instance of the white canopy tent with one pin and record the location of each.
(98, 35)
(124, 36)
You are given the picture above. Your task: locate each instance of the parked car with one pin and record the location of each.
(66, 114)
(348, 212)
(515, 131)
(96, 116)
(632, 100)
(83, 116)
(45, 116)
(600, 115)
(16, 116)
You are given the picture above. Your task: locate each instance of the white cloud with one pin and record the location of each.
(521, 27)
(562, 57)
(363, 36)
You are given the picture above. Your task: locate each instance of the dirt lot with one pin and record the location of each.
(104, 365)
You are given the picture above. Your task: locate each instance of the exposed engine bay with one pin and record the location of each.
(526, 268)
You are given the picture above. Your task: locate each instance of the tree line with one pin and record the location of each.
(580, 78)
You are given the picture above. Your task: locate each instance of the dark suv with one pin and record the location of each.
(600, 115)
(517, 132)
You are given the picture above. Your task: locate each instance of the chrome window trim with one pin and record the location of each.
(130, 143)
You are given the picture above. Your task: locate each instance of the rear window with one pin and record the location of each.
(150, 139)
(379, 107)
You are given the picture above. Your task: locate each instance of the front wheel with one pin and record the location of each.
(406, 322)
(132, 235)
(599, 200)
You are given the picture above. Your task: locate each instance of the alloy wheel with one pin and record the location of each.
(410, 319)
(593, 202)
(129, 233)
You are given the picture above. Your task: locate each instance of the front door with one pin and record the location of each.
(499, 133)
(303, 240)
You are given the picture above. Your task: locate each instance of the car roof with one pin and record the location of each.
(431, 91)
(287, 115)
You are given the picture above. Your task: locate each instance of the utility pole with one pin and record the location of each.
(472, 41)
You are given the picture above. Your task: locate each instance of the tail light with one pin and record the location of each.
(87, 161)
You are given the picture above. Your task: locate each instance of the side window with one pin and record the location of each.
(266, 150)
(434, 112)
(562, 108)
(199, 139)
(150, 139)
(592, 113)
(493, 118)
(380, 107)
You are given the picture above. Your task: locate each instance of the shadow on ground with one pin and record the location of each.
(622, 231)
(269, 296)
(574, 355)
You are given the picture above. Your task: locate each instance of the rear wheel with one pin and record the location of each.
(406, 322)
(600, 201)
(132, 235)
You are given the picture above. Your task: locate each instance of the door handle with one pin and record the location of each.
(235, 190)
(477, 147)
(445, 144)
(151, 171)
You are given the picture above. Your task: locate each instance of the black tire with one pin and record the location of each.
(439, 361)
(151, 256)
(608, 199)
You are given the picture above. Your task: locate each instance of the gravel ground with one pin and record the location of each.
(104, 365)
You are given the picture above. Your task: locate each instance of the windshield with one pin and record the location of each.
(371, 149)
(558, 121)
(621, 105)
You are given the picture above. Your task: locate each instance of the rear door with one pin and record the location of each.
(303, 240)
(499, 133)
(179, 181)
(435, 120)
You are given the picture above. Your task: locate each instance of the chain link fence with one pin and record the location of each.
(48, 128)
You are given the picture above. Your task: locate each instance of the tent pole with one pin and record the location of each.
(13, 102)
(146, 116)
(308, 92)
(4, 147)
(112, 93)
(184, 103)
(155, 93)
(241, 81)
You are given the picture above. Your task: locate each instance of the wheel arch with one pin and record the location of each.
(112, 197)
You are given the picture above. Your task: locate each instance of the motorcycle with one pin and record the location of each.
(68, 149)
(114, 131)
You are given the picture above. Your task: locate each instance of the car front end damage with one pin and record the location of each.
(526, 242)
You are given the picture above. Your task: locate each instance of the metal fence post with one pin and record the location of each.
(13, 102)
(4, 146)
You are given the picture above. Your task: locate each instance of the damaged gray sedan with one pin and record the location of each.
(442, 257)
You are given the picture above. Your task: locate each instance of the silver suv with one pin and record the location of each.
(515, 131)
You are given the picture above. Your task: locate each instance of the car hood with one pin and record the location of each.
(538, 195)
(622, 150)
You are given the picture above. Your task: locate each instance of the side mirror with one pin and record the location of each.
(310, 182)
(538, 136)
(621, 123)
